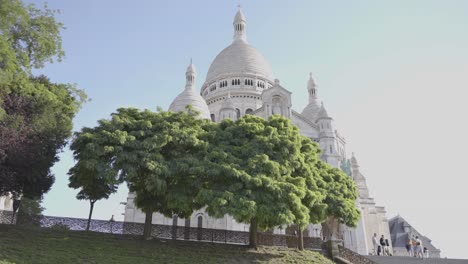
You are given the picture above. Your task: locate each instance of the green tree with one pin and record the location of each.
(35, 114)
(93, 174)
(30, 213)
(36, 127)
(253, 174)
(163, 161)
(339, 205)
(29, 37)
(159, 155)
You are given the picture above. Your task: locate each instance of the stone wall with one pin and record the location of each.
(79, 224)
(220, 236)
(180, 232)
(5, 217)
(353, 257)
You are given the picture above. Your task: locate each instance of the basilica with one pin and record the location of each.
(240, 81)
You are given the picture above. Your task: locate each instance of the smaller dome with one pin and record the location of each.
(311, 111)
(190, 97)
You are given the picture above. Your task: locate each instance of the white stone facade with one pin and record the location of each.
(6, 203)
(240, 81)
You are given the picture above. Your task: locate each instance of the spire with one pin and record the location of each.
(239, 25)
(323, 112)
(311, 87)
(190, 75)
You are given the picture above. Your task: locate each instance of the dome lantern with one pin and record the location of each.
(190, 76)
(239, 25)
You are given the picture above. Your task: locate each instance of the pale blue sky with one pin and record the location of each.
(393, 74)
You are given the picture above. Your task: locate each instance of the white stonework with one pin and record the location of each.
(189, 96)
(6, 203)
(240, 81)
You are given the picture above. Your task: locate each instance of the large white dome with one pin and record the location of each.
(239, 58)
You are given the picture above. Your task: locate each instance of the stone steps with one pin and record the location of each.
(409, 260)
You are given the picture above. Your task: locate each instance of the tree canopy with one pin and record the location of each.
(256, 174)
(261, 172)
(158, 154)
(35, 113)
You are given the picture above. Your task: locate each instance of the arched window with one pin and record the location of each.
(331, 149)
(199, 227)
(200, 221)
(276, 108)
(213, 118)
(238, 113)
(248, 111)
(174, 220)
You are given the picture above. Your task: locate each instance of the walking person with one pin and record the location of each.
(413, 247)
(375, 242)
(419, 248)
(409, 247)
(387, 248)
(383, 245)
(426, 252)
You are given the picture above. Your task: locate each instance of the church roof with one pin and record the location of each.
(240, 57)
(240, 17)
(311, 111)
(190, 97)
(399, 237)
(323, 112)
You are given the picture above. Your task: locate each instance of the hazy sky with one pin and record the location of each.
(393, 74)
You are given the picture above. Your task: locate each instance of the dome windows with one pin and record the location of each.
(213, 88)
(248, 82)
(236, 82)
(223, 84)
(261, 84)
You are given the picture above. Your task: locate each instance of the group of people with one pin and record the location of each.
(415, 248)
(381, 247)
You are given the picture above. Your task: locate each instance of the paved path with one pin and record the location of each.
(408, 260)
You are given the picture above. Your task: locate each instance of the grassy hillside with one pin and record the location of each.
(28, 245)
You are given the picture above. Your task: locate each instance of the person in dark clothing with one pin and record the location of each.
(387, 247)
(383, 245)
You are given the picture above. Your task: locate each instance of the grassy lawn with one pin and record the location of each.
(31, 245)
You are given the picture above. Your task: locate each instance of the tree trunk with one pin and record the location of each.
(91, 208)
(300, 238)
(253, 233)
(148, 224)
